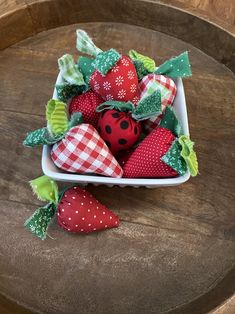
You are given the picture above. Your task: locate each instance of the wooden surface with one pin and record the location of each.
(174, 251)
(199, 26)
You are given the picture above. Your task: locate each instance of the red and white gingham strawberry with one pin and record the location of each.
(82, 150)
(120, 83)
(168, 91)
(145, 161)
(78, 211)
(86, 104)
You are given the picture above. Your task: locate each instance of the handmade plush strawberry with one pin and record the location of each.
(86, 104)
(80, 212)
(167, 87)
(82, 150)
(114, 77)
(161, 154)
(120, 123)
(77, 210)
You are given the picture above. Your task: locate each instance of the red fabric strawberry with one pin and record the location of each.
(80, 212)
(82, 150)
(86, 104)
(120, 83)
(146, 161)
(118, 129)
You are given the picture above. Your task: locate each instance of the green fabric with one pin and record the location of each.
(106, 60)
(66, 91)
(148, 63)
(176, 67)
(118, 105)
(152, 87)
(171, 122)
(69, 70)
(76, 119)
(45, 189)
(173, 158)
(85, 44)
(56, 116)
(148, 107)
(140, 69)
(189, 154)
(86, 67)
(39, 222)
(41, 137)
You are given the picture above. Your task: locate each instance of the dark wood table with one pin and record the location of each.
(174, 251)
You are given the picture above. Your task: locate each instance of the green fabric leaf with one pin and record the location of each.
(66, 91)
(173, 158)
(149, 64)
(41, 137)
(140, 69)
(76, 119)
(45, 188)
(176, 67)
(189, 154)
(86, 67)
(69, 70)
(118, 105)
(85, 44)
(171, 122)
(57, 117)
(106, 60)
(39, 222)
(148, 106)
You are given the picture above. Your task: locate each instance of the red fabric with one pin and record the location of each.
(145, 161)
(86, 104)
(80, 212)
(119, 130)
(120, 83)
(84, 151)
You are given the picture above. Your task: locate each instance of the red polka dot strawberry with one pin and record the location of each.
(161, 154)
(120, 123)
(77, 210)
(115, 77)
(86, 104)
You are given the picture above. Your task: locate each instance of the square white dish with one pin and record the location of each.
(55, 173)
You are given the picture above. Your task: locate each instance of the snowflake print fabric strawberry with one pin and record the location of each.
(86, 104)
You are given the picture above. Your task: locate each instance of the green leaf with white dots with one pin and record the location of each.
(171, 122)
(106, 60)
(148, 107)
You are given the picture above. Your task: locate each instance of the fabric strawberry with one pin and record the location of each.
(86, 104)
(78, 211)
(166, 85)
(82, 150)
(114, 77)
(165, 152)
(120, 123)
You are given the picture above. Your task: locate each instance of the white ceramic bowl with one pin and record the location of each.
(55, 173)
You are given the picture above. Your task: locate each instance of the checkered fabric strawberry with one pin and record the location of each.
(86, 104)
(114, 77)
(82, 150)
(146, 161)
(166, 85)
(120, 123)
(79, 211)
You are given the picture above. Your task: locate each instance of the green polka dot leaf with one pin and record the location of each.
(174, 159)
(106, 60)
(86, 67)
(140, 69)
(113, 104)
(66, 91)
(176, 67)
(171, 122)
(41, 137)
(148, 107)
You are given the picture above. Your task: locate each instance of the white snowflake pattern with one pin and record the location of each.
(115, 69)
(133, 88)
(106, 85)
(135, 100)
(130, 75)
(109, 97)
(119, 80)
(125, 62)
(96, 86)
(121, 93)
